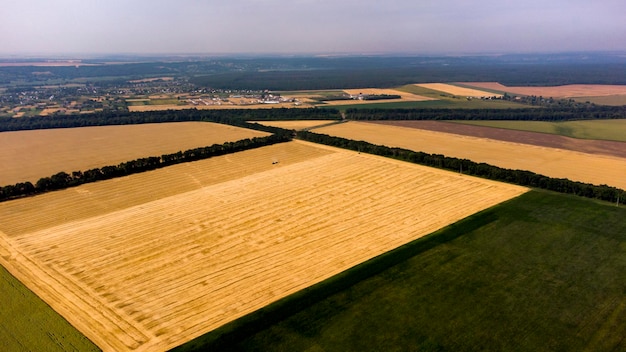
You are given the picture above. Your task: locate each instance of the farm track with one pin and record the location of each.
(157, 273)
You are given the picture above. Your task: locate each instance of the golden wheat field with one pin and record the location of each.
(559, 163)
(163, 270)
(459, 91)
(30, 155)
(295, 124)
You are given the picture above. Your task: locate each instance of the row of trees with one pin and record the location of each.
(63, 180)
(235, 117)
(553, 113)
(519, 177)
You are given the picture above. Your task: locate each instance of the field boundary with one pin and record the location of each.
(47, 285)
(64, 180)
(483, 170)
(225, 336)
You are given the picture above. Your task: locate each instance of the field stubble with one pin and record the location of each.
(157, 273)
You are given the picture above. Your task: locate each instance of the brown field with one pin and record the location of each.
(559, 163)
(459, 91)
(295, 125)
(157, 273)
(566, 91)
(30, 155)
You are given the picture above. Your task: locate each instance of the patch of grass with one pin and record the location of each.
(612, 100)
(32, 112)
(29, 324)
(542, 272)
(137, 102)
(614, 130)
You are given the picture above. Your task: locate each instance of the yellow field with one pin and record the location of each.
(551, 162)
(30, 155)
(157, 273)
(460, 91)
(295, 125)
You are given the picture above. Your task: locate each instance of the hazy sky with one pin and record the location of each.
(310, 26)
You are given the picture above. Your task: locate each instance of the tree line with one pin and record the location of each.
(519, 177)
(552, 113)
(234, 117)
(64, 180)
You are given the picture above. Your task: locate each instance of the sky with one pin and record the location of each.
(33, 27)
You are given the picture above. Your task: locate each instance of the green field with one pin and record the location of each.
(613, 100)
(613, 130)
(29, 324)
(542, 272)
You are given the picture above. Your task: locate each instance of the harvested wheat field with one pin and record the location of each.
(459, 91)
(30, 155)
(140, 108)
(160, 272)
(558, 163)
(295, 124)
(566, 91)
